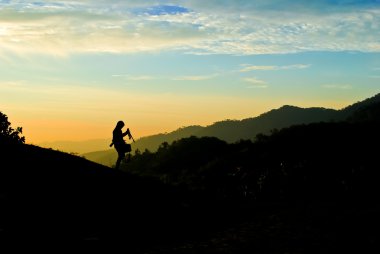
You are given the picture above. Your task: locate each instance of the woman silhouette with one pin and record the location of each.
(120, 145)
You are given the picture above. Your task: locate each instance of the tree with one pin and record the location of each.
(8, 134)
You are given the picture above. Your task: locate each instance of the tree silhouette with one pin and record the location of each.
(8, 134)
(319, 162)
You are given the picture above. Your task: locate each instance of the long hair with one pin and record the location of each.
(119, 125)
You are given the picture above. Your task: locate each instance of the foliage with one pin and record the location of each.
(370, 113)
(182, 162)
(320, 161)
(9, 134)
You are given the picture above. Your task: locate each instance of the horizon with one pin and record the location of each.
(178, 128)
(71, 70)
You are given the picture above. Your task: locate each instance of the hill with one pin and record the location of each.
(48, 196)
(352, 109)
(308, 188)
(234, 130)
(318, 183)
(322, 161)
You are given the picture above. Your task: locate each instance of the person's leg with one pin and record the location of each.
(121, 156)
(118, 162)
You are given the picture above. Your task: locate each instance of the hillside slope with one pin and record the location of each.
(305, 189)
(50, 196)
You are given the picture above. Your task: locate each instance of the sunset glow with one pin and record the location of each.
(69, 70)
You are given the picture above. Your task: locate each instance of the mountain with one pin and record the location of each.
(77, 147)
(228, 130)
(234, 130)
(248, 197)
(352, 109)
(285, 116)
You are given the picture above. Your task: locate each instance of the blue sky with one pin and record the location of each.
(71, 69)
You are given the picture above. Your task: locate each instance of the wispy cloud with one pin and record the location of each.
(247, 68)
(176, 78)
(233, 27)
(161, 10)
(195, 78)
(255, 83)
(337, 86)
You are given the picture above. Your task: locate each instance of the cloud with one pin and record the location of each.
(178, 78)
(255, 83)
(237, 27)
(248, 68)
(195, 78)
(337, 86)
(161, 10)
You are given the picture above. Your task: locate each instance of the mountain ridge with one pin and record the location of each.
(235, 130)
(51, 196)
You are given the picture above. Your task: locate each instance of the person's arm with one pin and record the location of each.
(127, 132)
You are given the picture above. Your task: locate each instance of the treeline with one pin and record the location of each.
(319, 161)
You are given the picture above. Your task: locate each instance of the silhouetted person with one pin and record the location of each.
(120, 145)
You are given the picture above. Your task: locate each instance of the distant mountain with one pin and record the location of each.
(366, 104)
(234, 130)
(228, 130)
(77, 147)
(104, 157)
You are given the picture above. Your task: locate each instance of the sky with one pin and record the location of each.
(69, 70)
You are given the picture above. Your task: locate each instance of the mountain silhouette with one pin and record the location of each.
(306, 188)
(77, 147)
(235, 130)
(325, 174)
(348, 111)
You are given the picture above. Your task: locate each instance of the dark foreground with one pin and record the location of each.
(53, 199)
(313, 228)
